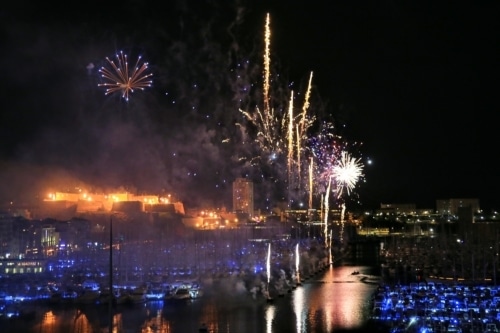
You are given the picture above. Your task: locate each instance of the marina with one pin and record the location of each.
(437, 307)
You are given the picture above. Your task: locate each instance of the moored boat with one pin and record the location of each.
(121, 296)
(63, 297)
(138, 295)
(88, 297)
(105, 296)
(182, 290)
(153, 294)
(181, 294)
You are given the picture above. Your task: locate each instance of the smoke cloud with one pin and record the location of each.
(184, 135)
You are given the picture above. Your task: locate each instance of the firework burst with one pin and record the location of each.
(332, 163)
(347, 173)
(324, 149)
(120, 78)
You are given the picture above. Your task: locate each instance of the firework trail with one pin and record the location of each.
(268, 263)
(342, 216)
(290, 137)
(330, 256)
(268, 135)
(267, 66)
(268, 130)
(321, 208)
(305, 107)
(269, 127)
(121, 79)
(297, 261)
(326, 209)
(304, 124)
(311, 169)
(268, 267)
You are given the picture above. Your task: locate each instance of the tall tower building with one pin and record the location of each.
(243, 196)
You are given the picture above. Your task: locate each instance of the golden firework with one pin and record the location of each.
(120, 78)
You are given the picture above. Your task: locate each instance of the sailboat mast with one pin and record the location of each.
(110, 304)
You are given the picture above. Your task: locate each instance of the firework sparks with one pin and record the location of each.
(268, 264)
(326, 209)
(304, 123)
(267, 63)
(268, 270)
(311, 170)
(346, 173)
(303, 119)
(290, 136)
(120, 78)
(342, 217)
(297, 262)
(269, 128)
(330, 255)
(274, 127)
(324, 148)
(336, 172)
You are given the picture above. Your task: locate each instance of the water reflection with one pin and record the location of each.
(299, 308)
(338, 299)
(48, 322)
(270, 312)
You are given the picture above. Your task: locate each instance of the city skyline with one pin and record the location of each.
(410, 85)
(80, 201)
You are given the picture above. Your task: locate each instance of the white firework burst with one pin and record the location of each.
(347, 173)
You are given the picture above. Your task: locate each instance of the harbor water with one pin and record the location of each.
(336, 298)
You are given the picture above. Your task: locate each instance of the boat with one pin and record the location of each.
(121, 296)
(137, 296)
(105, 296)
(182, 290)
(90, 293)
(118, 297)
(153, 294)
(63, 297)
(181, 294)
(195, 290)
(90, 285)
(491, 328)
(88, 296)
(15, 311)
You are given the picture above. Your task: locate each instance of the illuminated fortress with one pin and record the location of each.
(81, 202)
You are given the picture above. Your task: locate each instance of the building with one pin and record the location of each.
(453, 206)
(397, 209)
(22, 266)
(243, 196)
(6, 233)
(49, 240)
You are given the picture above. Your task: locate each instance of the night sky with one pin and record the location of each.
(413, 85)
